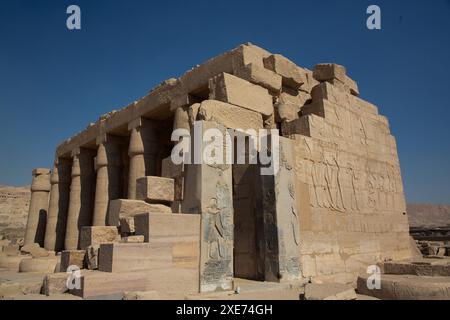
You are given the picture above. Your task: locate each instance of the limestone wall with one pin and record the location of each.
(351, 203)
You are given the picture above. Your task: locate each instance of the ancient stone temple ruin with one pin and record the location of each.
(116, 203)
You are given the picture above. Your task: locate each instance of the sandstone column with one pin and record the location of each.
(80, 203)
(280, 214)
(58, 205)
(142, 150)
(37, 215)
(108, 186)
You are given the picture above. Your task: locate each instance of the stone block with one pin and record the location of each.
(329, 291)
(102, 285)
(327, 91)
(127, 225)
(228, 88)
(229, 115)
(406, 287)
(55, 284)
(133, 239)
(173, 227)
(127, 257)
(91, 257)
(293, 76)
(297, 126)
(329, 71)
(418, 268)
(171, 170)
(38, 265)
(72, 258)
(259, 75)
(297, 98)
(20, 288)
(35, 250)
(11, 250)
(124, 208)
(12, 262)
(286, 112)
(98, 234)
(155, 189)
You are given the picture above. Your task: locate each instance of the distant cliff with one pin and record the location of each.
(14, 203)
(428, 215)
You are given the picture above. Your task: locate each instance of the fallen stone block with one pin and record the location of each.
(329, 291)
(155, 189)
(293, 76)
(133, 239)
(35, 250)
(261, 76)
(72, 258)
(95, 235)
(228, 88)
(20, 288)
(11, 250)
(12, 262)
(38, 265)
(4, 243)
(406, 287)
(124, 208)
(55, 284)
(229, 115)
(141, 295)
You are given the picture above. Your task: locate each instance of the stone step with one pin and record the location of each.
(432, 267)
(104, 285)
(126, 257)
(407, 287)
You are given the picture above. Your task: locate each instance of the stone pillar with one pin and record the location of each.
(210, 193)
(142, 152)
(58, 205)
(37, 214)
(81, 196)
(280, 215)
(109, 185)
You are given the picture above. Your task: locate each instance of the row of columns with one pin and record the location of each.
(77, 192)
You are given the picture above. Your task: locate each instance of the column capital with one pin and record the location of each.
(41, 180)
(135, 123)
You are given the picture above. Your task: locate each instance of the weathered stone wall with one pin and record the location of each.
(351, 203)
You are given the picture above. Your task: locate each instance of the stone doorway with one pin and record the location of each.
(248, 253)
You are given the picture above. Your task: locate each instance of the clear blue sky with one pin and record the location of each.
(53, 82)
